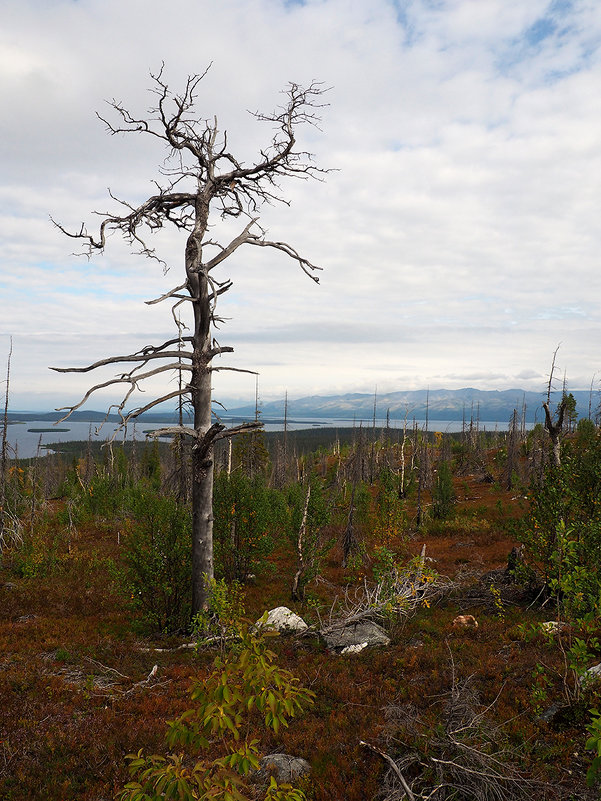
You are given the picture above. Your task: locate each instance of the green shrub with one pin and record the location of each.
(156, 569)
(562, 532)
(311, 544)
(225, 609)
(247, 515)
(389, 518)
(38, 556)
(443, 496)
(246, 688)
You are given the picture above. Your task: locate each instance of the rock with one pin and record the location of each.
(354, 649)
(364, 634)
(556, 715)
(548, 716)
(465, 622)
(25, 618)
(590, 676)
(553, 626)
(284, 768)
(285, 621)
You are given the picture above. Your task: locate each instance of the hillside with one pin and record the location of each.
(437, 404)
(496, 406)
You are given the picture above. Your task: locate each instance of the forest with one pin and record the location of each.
(473, 556)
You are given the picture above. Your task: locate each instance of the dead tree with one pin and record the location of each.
(554, 427)
(4, 445)
(201, 183)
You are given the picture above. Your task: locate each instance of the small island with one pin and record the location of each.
(50, 430)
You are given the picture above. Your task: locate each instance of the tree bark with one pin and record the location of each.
(554, 430)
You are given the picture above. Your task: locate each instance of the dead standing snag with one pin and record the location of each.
(202, 182)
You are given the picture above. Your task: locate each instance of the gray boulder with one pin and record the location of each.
(355, 637)
(284, 768)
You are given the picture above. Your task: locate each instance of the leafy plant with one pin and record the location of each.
(247, 515)
(309, 514)
(562, 532)
(541, 685)
(225, 608)
(156, 564)
(443, 496)
(497, 601)
(244, 687)
(389, 514)
(593, 743)
(383, 566)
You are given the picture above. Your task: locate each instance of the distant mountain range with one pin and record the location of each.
(438, 404)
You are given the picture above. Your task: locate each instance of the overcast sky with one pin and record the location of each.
(459, 232)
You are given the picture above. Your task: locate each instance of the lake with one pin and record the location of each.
(27, 437)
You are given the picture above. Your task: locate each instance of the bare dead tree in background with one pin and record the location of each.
(202, 182)
(554, 427)
(4, 444)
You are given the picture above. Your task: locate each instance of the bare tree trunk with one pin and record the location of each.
(4, 452)
(373, 440)
(402, 488)
(202, 451)
(349, 542)
(554, 428)
(297, 589)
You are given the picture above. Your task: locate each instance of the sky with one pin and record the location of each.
(458, 230)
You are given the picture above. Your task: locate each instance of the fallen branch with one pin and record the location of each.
(393, 766)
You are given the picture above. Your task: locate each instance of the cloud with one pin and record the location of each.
(458, 231)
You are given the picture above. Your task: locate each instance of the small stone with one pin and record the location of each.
(553, 626)
(465, 622)
(549, 714)
(354, 649)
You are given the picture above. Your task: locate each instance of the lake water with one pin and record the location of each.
(26, 442)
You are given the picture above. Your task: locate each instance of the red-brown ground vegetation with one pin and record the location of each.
(77, 693)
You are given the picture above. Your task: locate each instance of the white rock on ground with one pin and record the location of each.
(354, 649)
(553, 626)
(285, 621)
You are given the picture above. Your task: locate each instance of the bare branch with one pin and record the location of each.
(393, 766)
(169, 294)
(241, 239)
(125, 379)
(173, 431)
(232, 370)
(169, 354)
(305, 265)
(217, 351)
(552, 373)
(177, 393)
